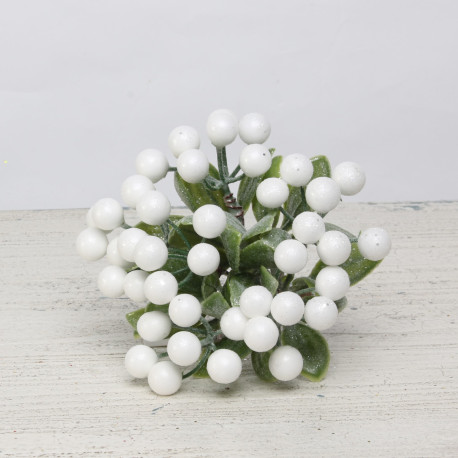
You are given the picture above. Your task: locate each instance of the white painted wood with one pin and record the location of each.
(391, 389)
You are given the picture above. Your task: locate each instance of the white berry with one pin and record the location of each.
(272, 192)
(224, 366)
(139, 360)
(107, 214)
(91, 244)
(153, 208)
(165, 378)
(154, 326)
(111, 281)
(183, 138)
(320, 313)
(222, 127)
(374, 243)
(308, 227)
(255, 301)
(254, 128)
(193, 165)
(290, 256)
(184, 348)
(209, 221)
(150, 253)
(296, 169)
(161, 287)
(203, 259)
(114, 257)
(350, 177)
(332, 282)
(185, 310)
(334, 248)
(134, 285)
(153, 164)
(89, 219)
(285, 363)
(127, 242)
(322, 194)
(261, 334)
(233, 323)
(255, 160)
(134, 187)
(287, 308)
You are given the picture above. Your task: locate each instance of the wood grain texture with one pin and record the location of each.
(391, 389)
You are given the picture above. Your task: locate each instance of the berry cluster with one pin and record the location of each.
(214, 289)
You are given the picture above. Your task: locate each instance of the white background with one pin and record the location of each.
(86, 85)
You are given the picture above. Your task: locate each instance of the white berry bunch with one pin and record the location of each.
(212, 291)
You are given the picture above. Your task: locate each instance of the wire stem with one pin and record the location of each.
(180, 233)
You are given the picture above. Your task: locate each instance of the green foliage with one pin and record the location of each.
(260, 363)
(215, 305)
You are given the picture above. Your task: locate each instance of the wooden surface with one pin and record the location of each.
(391, 389)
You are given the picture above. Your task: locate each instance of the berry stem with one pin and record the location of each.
(235, 179)
(286, 214)
(303, 292)
(235, 171)
(172, 169)
(177, 256)
(180, 233)
(185, 280)
(200, 364)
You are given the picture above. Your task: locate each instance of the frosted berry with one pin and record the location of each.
(127, 242)
(255, 160)
(114, 257)
(222, 127)
(374, 243)
(290, 256)
(287, 308)
(320, 313)
(255, 301)
(165, 378)
(111, 281)
(183, 138)
(139, 360)
(150, 253)
(153, 208)
(254, 128)
(334, 248)
(296, 169)
(332, 282)
(272, 192)
(203, 259)
(161, 287)
(193, 165)
(184, 348)
(107, 214)
(233, 323)
(285, 363)
(209, 221)
(261, 334)
(308, 227)
(350, 177)
(154, 326)
(91, 244)
(134, 285)
(134, 187)
(153, 164)
(185, 310)
(322, 194)
(224, 366)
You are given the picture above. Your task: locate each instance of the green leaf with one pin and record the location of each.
(261, 227)
(247, 191)
(210, 284)
(187, 229)
(238, 346)
(235, 285)
(215, 305)
(321, 167)
(341, 303)
(260, 363)
(333, 227)
(269, 281)
(156, 230)
(194, 195)
(231, 239)
(261, 252)
(302, 283)
(356, 266)
(313, 348)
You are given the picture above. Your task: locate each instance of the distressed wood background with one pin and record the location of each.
(391, 389)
